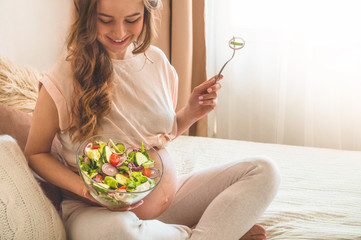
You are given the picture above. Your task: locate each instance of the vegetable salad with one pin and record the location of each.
(114, 167)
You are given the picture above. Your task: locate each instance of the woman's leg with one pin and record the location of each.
(83, 221)
(224, 201)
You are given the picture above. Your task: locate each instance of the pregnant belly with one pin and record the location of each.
(160, 199)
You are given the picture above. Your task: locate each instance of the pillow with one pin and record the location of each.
(18, 91)
(18, 94)
(25, 211)
(15, 123)
(18, 85)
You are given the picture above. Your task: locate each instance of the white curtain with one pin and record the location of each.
(297, 81)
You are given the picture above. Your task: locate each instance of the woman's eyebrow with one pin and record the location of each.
(105, 15)
(132, 15)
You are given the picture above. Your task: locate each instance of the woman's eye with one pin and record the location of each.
(134, 21)
(103, 21)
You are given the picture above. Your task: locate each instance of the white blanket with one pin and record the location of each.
(320, 193)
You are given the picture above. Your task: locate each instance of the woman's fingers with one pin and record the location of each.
(131, 207)
(214, 78)
(210, 96)
(211, 102)
(128, 208)
(87, 195)
(214, 88)
(208, 99)
(209, 85)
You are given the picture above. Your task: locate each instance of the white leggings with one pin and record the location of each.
(224, 201)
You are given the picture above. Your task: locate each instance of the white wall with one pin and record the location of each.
(33, 32)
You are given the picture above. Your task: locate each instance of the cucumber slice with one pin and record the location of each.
(120, 147)
(106, 153)
(122, 179)
(101, 187)
(148, 164)
(236, 43)
(111, 182)
(140, 158)
(93, 154)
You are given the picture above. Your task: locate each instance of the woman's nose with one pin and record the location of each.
(119, 31)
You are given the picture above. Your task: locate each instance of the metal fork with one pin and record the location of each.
(219, 74)
(234, 51)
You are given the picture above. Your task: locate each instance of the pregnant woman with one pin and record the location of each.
(111, 80)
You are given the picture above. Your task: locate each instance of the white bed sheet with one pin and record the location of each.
(320, 193)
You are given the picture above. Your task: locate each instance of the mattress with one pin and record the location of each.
(320, 193)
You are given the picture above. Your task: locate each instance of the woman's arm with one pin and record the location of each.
(43, 128)
(203, 100)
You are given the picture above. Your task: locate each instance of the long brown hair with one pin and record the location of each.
(93, 68)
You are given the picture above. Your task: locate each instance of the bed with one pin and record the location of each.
(320, 193)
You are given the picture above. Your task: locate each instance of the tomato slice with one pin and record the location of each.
(96, 147)
(114, 159)
(122, 187)
(146, 172)
(99, 177)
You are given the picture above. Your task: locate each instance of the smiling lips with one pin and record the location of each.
(118, 42)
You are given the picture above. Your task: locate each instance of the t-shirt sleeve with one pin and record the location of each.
(54, 82)
(174, 86)
(169, 71)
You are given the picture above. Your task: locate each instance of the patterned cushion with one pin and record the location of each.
(25, 212)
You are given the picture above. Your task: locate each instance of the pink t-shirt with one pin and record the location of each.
(143, 104)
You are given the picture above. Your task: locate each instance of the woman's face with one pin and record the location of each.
(119, 23)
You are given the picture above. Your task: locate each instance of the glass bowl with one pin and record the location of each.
(100, 171)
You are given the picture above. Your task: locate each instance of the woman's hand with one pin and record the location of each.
(204, 98)
(88, 197)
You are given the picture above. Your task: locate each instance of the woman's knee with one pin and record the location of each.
(268, 170)
(126, 225)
